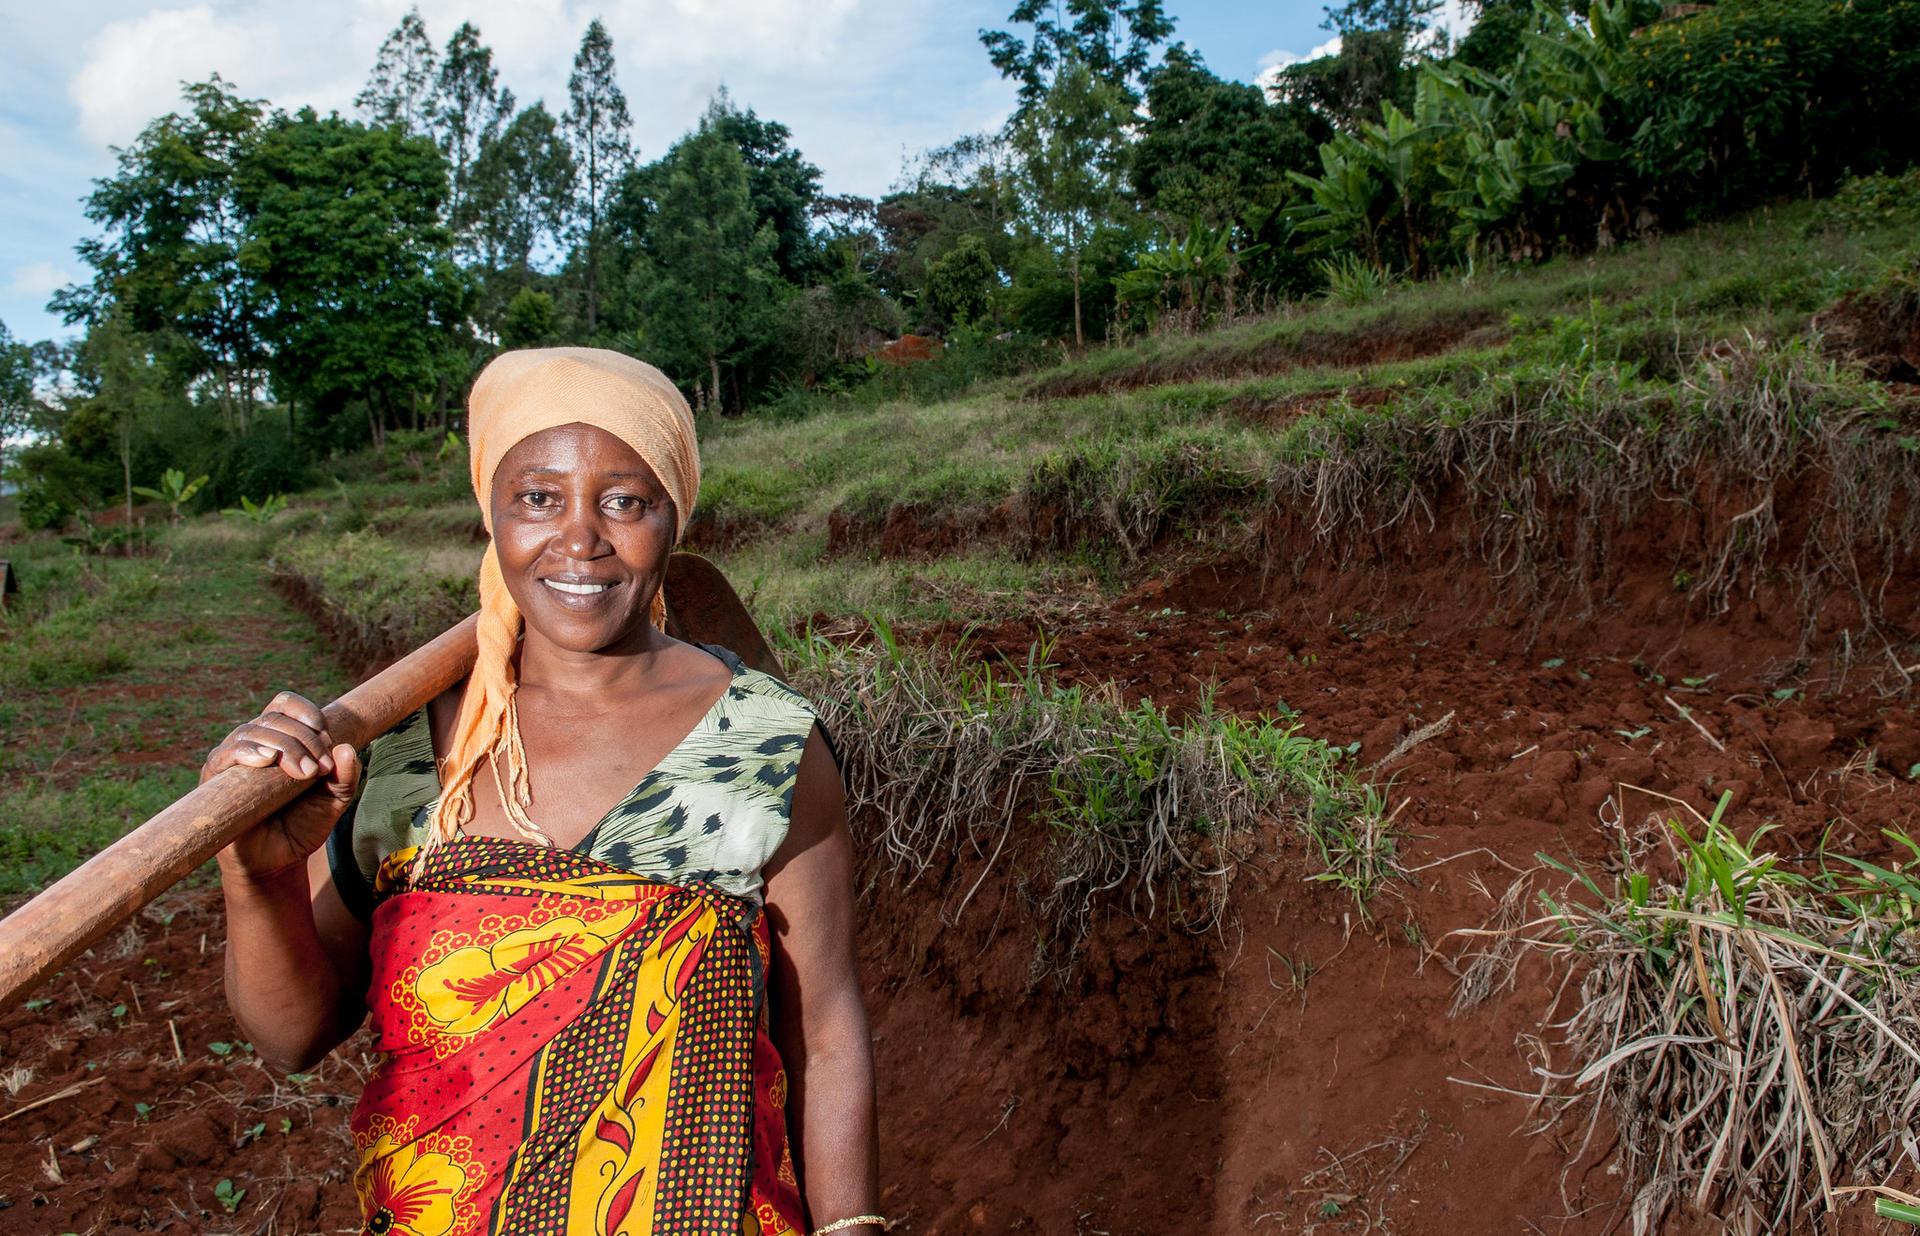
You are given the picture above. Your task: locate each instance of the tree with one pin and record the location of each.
(170, 256)
(467, 111)
(781, 184)
(400, 89)
(19, 408)
(597, 122)
(1113, 39)
(1210, 149)
(710, 280)
(961, 284)
(1071, 151)
(344, 234)
(520, 198)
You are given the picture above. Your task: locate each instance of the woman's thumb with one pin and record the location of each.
(345, 778)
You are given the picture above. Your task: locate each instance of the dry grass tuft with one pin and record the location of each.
(943, 754)
(1752, 1032)
(1551, 462)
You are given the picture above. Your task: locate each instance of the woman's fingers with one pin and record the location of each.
(295, 756)
(315, 741)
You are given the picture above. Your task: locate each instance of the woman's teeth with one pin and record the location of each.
(579, 590)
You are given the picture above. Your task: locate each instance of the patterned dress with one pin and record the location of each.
(576, 1040)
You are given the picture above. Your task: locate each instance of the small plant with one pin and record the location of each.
(93, 538)
(1352, 280)
(260, 512)
(175, 490)
(228, 1196)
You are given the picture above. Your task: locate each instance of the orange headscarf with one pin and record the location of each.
(517, 395)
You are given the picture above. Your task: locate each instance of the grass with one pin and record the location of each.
(1748, 1027)
(943, 753)
(117, 675)
(49, 831)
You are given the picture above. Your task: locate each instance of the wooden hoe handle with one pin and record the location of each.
(113, 885)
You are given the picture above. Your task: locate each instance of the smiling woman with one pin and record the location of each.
(613, 980)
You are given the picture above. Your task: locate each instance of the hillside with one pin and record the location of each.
(1243, 727)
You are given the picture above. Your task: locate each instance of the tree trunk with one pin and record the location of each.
(1079, 335)
(713, 367)
(126, 478)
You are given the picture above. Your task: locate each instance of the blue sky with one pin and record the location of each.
(862, 83)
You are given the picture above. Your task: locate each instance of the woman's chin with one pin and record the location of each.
(589, 631)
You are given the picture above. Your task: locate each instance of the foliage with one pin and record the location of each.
(1112, 39)
(344, 240)
(175, 490)
(597, 125)
(708, 284)
(171, 258)
(1216, 150)
(468, 109)
(962, 282)
(400, 90)
(1071, 160)
(261, 512)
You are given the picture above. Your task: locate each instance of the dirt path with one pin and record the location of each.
(127, 1095)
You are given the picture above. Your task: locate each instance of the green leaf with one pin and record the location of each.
(220, 1049)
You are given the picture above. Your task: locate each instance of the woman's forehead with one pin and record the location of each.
(576, 447)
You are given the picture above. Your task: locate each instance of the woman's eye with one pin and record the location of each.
(628, 503)
(536, 499)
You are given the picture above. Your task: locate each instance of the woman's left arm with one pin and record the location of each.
(819, 1016)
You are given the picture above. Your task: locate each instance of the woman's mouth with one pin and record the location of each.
(578, 594)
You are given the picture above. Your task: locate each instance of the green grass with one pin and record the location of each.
(46, 832)
(118, 675)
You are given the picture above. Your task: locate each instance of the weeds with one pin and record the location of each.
(1752, 1031)
(943, 754)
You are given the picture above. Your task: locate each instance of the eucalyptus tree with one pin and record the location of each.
(468, 108)
(597, 124)
(400, 89)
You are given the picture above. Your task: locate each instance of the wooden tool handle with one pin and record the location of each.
(113, 885)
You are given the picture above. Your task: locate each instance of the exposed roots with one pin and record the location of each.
(941, 757)
(1550, 465)
(1753, 1035)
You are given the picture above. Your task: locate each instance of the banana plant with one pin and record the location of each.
(259, 512)
(175, 490)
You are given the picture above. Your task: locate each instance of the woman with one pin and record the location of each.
(593, 1018)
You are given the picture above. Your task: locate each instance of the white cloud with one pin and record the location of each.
(1274, 61)
(37, 280)
(134, 67)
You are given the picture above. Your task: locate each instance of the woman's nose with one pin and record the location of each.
(581, 535)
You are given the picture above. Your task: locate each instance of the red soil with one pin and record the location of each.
(1296, 1068)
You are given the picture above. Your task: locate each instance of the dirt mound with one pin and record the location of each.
(1391, 337)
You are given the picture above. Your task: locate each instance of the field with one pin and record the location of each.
(1440, 763)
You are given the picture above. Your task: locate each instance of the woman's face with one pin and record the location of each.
(582, 528)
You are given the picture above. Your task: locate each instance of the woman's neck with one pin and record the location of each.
(591, 681)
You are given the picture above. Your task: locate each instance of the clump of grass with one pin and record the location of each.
(378, 597)
(942, 754)
(65, 632)
(1752, 1031)
(1128, 492)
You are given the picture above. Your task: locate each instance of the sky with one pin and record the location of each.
(863, 84)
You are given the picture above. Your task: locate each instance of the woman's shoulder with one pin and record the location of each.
(761, 691)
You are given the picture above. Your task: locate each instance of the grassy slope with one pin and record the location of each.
(390, 545)
(1123, 460)
(118, 675)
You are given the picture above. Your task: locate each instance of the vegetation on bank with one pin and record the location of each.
(1749, 1025)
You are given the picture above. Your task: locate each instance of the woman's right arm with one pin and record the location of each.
(297, 964)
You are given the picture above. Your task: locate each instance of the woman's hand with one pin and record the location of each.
(291, 733)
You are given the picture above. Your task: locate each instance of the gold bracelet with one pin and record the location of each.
(856, 1221)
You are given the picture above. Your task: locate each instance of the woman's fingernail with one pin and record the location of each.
(307, 766)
